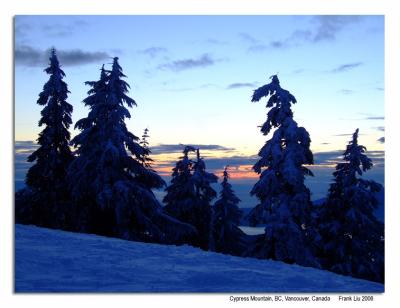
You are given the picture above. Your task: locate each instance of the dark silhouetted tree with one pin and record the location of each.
(284, 199)
(146, 159)
(352, 237)
(46, 192)
(189, 195)
(111, 186)
(226, 235)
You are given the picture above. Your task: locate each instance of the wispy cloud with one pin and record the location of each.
(184, 89)
(298, 71)
(374, 118)
(328, 26)
(346, 91)
(30, 56)
(58, 30)
(327, 158)
(204, 60)
(333, 157)
(380, 128)
(342, 135)
(325, 28)
(381, 140)
(214, 41)
(153, 51)
(52, 30)
(63, 30)
(297, 38)
(21, 30)
(248, 38)
(178, 148)
(238, 85)
(240, 165)
(25, 146)
(346, 67)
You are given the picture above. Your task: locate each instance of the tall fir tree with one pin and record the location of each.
(111, 186)
(45, 180)
(284, 199)
(146, 159)
(181, 193)
(189, 195)
(226, 235)
(352, 237)
(204, 195)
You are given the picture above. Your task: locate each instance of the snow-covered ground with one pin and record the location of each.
(57, 261)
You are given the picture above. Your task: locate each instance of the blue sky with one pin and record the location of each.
(192, 77)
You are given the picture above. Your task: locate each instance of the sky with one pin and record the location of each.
(193, 76)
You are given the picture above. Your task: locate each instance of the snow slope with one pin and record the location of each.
(57, 261)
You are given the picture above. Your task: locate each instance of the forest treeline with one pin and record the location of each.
(102, 181)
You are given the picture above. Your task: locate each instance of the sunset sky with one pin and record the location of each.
(192, 78)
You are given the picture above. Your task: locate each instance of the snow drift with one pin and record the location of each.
(58, 261)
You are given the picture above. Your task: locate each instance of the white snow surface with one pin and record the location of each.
(57, 261)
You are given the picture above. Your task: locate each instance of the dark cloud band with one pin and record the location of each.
(185, 64)
(32, 57)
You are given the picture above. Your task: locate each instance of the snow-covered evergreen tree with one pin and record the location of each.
(112, 188)
(284, 199)
(352, 237)
(189, 195)
(226, 235)
(46, 187)
(204, 195)
(146, 159)
(181, 193)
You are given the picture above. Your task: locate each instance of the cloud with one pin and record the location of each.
(328, 26)
(242, 175)
(380, 128)
(258, 48)
(298, 71)
(381, 140)
(63, 30)
(336, 156)
(30, 56)
(346, 91)
(255, 45)
(375, 118)
(25, 146)
(153, 51)
(22, 149)
(296, 38)
(329, 157)
(235, 163)
(78, 56)
(350, 134)
(203, 86)
(241, 85)
(248, 38)
(186, 64)
(58, 30)
(178, 148)
(21, 29)
(216, 42)
(346, 67)
(380, 89)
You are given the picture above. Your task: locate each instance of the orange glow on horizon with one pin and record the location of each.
(239, 172)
